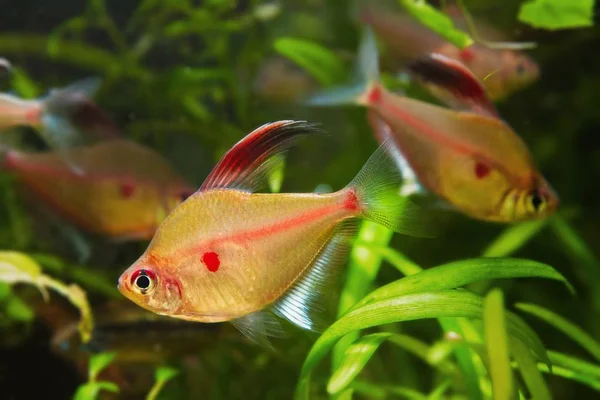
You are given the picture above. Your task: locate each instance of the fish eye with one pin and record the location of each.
(536, 200)
(143, 281)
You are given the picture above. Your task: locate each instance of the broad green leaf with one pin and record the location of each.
(513, 238)
(320, 62)
(16, 267)
(98, 362)
(445, 303)
(355, 358)
(496, 339)
(460, 273)
(362, 271)
(557, 14)
(437, 21)
(529, 371)
(577, 334)
(163, 375)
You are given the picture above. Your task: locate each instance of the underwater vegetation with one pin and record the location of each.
(476, 121)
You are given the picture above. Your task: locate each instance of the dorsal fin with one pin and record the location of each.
(246, 165)
(452, 82)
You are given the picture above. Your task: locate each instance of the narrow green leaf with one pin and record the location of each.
(513, 238)
(320, 62)
(163, 375)
(466, 359)
(575, 364)
(529, 371)
(87, 391)
(574, 369)
(24, 85)
(19, 311)
(108, 386)
(98, 362)
(439, 391)
(446, 303)
(383, 391)
(437, 21)
(577, 334)
(557, 14)
(496, 340)
(356, 357)
(460, 273)
(362, 271)
(396, 259)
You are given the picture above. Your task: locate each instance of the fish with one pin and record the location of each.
(470, 158)
(64, 118)
(280, 80)
(228, 253)
(503, 71)
(126, 192)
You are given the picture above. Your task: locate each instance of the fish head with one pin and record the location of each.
(150, 287)
(520, 70)
(537, 202)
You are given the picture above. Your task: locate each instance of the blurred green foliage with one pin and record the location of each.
(180, 76)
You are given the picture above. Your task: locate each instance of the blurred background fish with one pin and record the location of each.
(502, 71)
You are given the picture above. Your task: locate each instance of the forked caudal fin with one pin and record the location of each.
(378, 187)
(367, 77)
(248, 163)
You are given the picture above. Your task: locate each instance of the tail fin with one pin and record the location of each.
(378, 189)
(70, 118)
(367, 76)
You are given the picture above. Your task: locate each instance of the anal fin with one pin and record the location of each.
(259, 326)
(304, 304)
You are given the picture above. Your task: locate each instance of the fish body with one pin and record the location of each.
(472, 159)
(125, 193)
(280, 80)
(64, 118)
(228, 253)
(502, 71)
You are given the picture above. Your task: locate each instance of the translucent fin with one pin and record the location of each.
(367, 76)
(303, 303)
(410, 182)
(378, 186)
(259, 326)
(453, 83)
(323, 188)
(249, 163)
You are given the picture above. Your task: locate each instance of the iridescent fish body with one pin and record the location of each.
(228, 253)
(127, 189)
(470, 158)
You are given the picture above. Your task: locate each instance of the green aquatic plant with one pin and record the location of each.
(162, 375)
(92, 388)
(557, 14)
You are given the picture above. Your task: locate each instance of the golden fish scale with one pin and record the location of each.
(264, 243)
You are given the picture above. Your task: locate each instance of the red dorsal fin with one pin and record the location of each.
(459, 85)
(249, 161)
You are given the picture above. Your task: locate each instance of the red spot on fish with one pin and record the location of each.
(375, 95)
(467, 55)
(33, 115)
(351, 201)
(211, 260)
(127, 189)
(481, 170)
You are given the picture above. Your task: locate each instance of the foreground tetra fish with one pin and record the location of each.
(503, 71)
(63, 118)
(125, 193)
(472, 159)
(228, 254)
